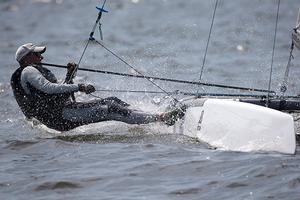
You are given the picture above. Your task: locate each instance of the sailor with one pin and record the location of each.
(40, 96)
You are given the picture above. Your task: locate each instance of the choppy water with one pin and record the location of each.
(162, 38)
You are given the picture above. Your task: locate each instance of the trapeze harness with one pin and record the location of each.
(40, 96)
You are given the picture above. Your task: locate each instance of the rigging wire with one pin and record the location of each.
(273, 53)
(284, 84)
(208, 40)
(164, 79)
(178, 92)
(137, 71)
(91, 35)
(84, 50)
(73, 73)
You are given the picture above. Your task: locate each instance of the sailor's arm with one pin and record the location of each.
(32, 76)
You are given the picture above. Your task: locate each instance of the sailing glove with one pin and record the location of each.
(70, 68)
(88, 89)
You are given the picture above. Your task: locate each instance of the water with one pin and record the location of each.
(161, 38)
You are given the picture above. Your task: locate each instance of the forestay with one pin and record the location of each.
(237, 126)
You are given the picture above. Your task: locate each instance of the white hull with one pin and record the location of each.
(236, 126)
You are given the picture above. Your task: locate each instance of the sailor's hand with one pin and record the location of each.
(71, 66)
(70, 69)
(88, 89)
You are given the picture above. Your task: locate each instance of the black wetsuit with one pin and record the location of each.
(40, 96)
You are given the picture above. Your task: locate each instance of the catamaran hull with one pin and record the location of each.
(239, 126)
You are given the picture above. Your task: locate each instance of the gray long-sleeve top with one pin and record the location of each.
(35, 78)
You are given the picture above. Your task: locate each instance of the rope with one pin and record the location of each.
(177, 92)
(208, 40)
(164, 79)
(273, 53)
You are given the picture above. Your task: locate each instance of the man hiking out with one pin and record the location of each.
(40, 96)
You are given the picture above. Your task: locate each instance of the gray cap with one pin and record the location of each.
(28, 48)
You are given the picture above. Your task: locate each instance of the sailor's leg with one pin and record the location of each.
(86, 113)
(134, 117)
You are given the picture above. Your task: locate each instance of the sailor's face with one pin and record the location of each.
(33, 58)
